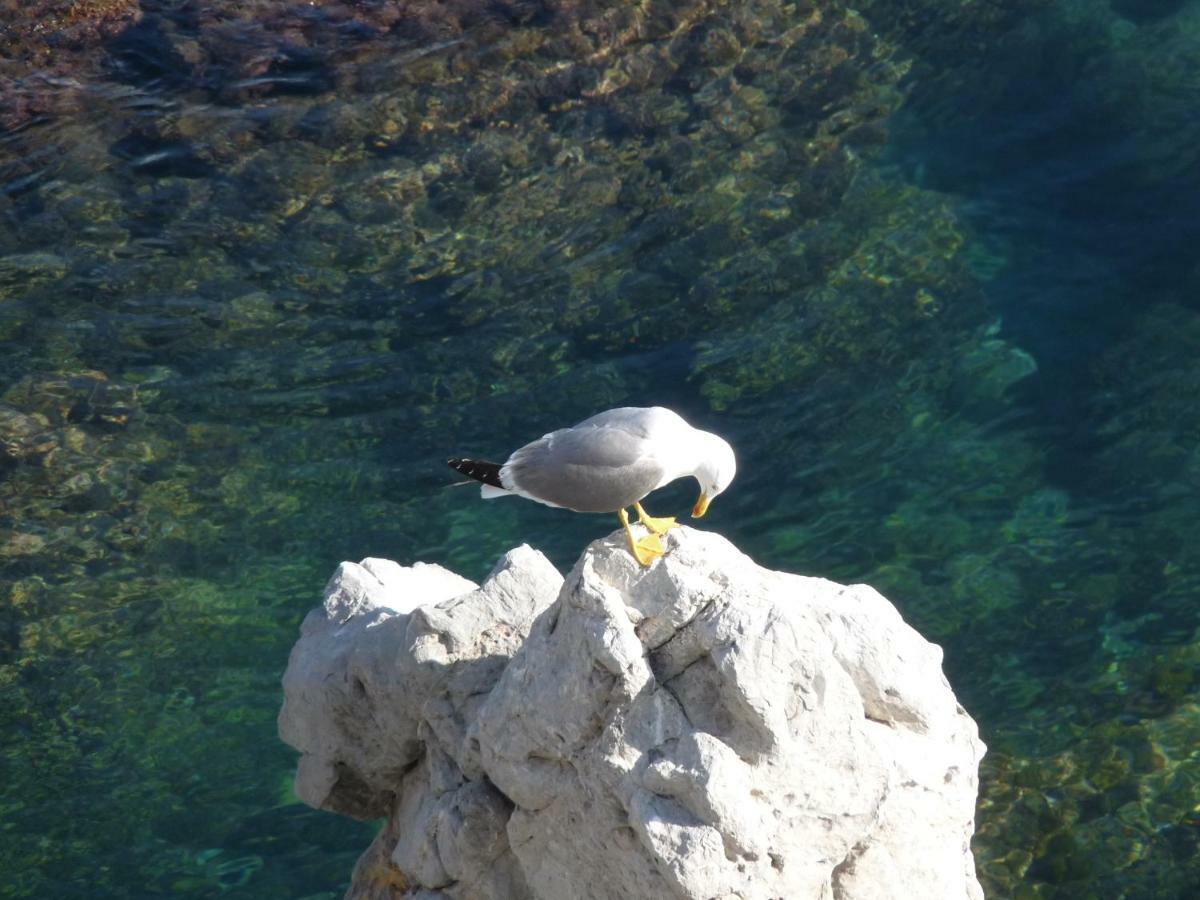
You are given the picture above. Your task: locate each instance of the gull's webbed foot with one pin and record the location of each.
(645, 549)
(657, 524)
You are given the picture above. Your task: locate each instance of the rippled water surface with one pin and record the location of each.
(930, 266)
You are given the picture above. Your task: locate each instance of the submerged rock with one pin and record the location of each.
(700, 728)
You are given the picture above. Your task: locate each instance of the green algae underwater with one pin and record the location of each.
(264, 266)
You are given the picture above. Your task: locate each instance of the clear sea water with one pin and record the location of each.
(932, 268)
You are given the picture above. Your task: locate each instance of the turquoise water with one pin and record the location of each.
(929, 266)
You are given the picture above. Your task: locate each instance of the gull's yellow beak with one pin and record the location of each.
(701, 507)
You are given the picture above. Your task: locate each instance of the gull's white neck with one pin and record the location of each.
(688, 451)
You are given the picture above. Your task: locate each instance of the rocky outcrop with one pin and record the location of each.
(700, 728)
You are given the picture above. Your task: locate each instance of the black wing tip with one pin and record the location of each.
(479, 469)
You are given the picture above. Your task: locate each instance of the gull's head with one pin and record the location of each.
(714, 471)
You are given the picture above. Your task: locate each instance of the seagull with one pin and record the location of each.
(610, 462)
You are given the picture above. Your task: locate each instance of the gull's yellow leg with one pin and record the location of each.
(645, 550)
(654, 523)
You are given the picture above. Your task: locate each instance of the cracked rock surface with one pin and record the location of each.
(701, 728)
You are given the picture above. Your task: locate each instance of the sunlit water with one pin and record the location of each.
(931, 269)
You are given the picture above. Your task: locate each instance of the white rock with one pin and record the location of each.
(702, 728)
(392, 653)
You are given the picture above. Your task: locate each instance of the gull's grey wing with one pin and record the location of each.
(588, 468)
(635, 420)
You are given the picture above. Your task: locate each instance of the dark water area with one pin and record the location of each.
(929, 266)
